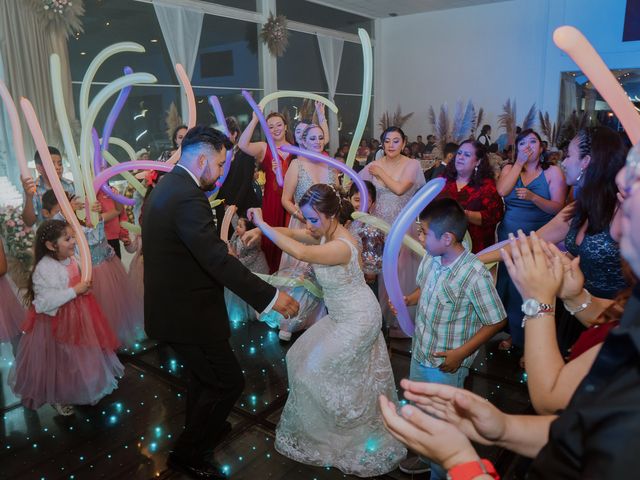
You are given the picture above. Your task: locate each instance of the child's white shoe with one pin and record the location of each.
(284, 336)
(64, 410)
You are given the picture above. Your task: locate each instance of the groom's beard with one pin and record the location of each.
(208, 184)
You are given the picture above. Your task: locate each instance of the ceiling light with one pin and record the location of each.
(154, 40)
(108, 23)
(83, 53)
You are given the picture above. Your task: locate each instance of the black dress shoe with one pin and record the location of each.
(200, 469)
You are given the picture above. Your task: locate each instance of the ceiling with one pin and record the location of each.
(386, 8)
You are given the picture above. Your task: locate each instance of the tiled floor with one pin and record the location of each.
(128, 434)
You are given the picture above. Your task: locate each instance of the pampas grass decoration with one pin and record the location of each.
(396, 120)
(478, 121)
(274, 33)
(60, 16)
(530, 119)
(507, 120)
(172, 119)
(463, 123)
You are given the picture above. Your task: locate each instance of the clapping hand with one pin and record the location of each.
(431, 437)
(572, 277)
(474, 416)
(533, 273)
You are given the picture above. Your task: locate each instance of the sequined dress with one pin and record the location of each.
(387, 207)
(336, 371)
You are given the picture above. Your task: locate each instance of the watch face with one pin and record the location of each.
(530, 306)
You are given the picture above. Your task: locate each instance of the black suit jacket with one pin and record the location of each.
(186, 266)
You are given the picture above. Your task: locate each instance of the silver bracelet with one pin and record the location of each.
(582, 306)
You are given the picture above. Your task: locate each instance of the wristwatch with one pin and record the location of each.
(532, 308)
(471, 470)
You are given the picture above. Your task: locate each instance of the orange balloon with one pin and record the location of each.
(63, 201)
(191, 104)
(226, 222)
(573, 42)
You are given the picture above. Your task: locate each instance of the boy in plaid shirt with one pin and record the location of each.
(458, 307)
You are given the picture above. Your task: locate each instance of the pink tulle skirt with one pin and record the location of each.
(12, 313)
(66, 359)
(136, 274)
(118, 300)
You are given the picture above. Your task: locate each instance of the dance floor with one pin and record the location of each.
(129, 433)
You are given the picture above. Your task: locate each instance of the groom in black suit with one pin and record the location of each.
(186, 267)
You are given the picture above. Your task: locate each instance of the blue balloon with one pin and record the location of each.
(393, 244)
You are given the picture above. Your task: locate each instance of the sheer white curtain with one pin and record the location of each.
(8, 163)
(331, 54)
(181, 29)
(25, 47)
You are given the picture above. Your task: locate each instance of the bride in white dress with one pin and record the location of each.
(339, 366)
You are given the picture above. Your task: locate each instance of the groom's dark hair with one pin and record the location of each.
(201, 134)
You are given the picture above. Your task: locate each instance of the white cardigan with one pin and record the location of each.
(51, 285)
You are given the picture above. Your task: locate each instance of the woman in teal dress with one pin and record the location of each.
(533, 192)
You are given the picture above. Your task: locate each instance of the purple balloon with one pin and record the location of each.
(105, 175)
(392, 248)
(217, 109)
(268, 136)
(97, 160)
(113, 116)
(338, 165)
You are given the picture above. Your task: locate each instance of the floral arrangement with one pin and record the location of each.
(63, 16)
(274, 33)
(18, 237)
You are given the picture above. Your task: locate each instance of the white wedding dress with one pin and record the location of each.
(336, 370)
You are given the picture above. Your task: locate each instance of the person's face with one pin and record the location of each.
(529, 146)
(630, 225)
(315, 140)
(241, 228)
(144, 156)
(393, 144)
(277, 128)
(57, 165)
(64, 246)
(419, 138)
(355, 201)
(51, 213)
(180, 135)
(317, 223)
(435, 246)
(466, 160)
(298, 133)
(572, 165)
(363, 143)
(213, 167)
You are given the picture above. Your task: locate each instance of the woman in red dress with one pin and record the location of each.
(470, 182)
(272, 210)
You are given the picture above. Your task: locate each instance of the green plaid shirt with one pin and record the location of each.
(455, 302)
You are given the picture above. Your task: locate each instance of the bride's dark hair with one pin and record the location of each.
(325, 199)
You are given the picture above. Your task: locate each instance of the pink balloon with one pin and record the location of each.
(16, 130)
(392, 248)
(56, 185)
(106, 174)
(574, 43)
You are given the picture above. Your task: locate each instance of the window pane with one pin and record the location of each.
(327, 17)
(228, 54)
(242, 4)
(349, 110)
(351, 68)
(300, 68)
(127, 21)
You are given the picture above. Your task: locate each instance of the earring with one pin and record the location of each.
(475, 170)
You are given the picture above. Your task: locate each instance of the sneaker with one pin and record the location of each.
(284, 335)
(413, 465)
(64, 410)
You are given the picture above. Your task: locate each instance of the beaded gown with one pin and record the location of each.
(336, 371)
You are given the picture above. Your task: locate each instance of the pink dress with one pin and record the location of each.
(67, 352)
(11, 311)
(113, 289)
(136, 268)
(387, 207)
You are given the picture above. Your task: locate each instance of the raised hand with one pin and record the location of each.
(28, 185)
(252, 237)
(255, 216)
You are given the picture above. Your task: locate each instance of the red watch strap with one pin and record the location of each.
(471, 470)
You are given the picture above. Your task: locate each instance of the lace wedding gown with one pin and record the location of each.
(337, 369)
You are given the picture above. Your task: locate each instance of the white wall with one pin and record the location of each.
(489, 53)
